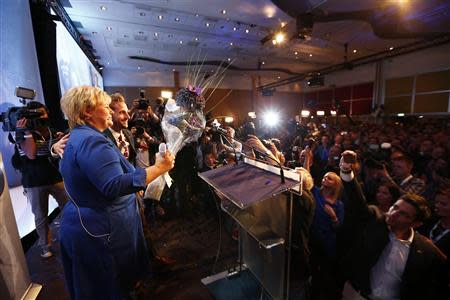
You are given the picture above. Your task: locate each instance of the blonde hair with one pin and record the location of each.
(339, 187)
(78, 100)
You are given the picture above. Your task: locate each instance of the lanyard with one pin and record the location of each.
(441, 235)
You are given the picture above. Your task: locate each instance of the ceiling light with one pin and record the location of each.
(196, 39)
(278, 77)
(234, 28)
(252, 114)
(160, 17)
(101, 68)
(207, 24)
(181, 42)
(420, 117)
(196, 15)
(173, 70)
(279, 38)
(310, 55)
(247, 31)
(103, 7)
(142, 14)
(223, 11)
(400, 115)
(108, 63)
(333, 112)
(391, 48)
(139, 67)
(263, 62)
(354, 50)
(231, 44)
(296, 53)
(229, 59)
(283, 24)
(274, 42)
(177, 19)
(321, 113)
(156, 34)
(109, 28)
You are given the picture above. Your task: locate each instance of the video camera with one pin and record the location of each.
(142, 102)
(15, 113)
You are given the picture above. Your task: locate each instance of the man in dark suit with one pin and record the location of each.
(118, 132)
(388, 259)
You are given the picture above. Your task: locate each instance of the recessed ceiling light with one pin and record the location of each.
(296, 53)
(310, 55)
(354, 50)
(94, 32)
(108, 63)
(207, 24)
(103, 7)
(278, 77)
(231, 44)
(156, 34)
(229, 59)
(247, 31)
(234, 28)
(181, 42)
(177, 19)
(196, 39)
(160, 17)
(263, 62)
(139, 67)
(142, 14)
(196, 15)
(173, 70)
(101, 68)
(223, 11)
(391, 48)
(109, 28)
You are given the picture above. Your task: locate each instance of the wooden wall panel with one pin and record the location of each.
(397, 105)
(399, 86)
(431, 102)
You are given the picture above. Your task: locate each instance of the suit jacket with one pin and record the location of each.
(130, 139)
(424, 276)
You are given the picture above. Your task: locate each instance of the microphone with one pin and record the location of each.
(162, 149)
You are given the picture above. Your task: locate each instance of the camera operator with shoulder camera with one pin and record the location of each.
(40, 177)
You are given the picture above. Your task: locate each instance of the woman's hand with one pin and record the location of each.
(58, 147)
(165, 162)
(330, 212)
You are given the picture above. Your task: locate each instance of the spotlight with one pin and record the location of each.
(333, 112)
(271, 118)
(400, 115)
(320, 113)
(229, 119)
(279, 38)
(305, 113)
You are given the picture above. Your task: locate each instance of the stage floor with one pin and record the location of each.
(191, 240)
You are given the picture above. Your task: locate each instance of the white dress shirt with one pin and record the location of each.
(386, 274)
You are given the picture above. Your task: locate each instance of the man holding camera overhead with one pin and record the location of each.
(40, 177)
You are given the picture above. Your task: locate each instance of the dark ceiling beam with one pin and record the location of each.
(218, 63)
(413, 47)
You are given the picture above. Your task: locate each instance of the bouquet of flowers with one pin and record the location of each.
(183, 122)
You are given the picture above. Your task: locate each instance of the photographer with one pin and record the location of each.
(234, 148)
(40, 178)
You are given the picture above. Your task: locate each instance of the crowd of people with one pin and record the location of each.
(373, 221)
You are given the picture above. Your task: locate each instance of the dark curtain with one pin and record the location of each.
(45, 38)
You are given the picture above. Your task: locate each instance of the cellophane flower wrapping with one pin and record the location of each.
(183, 123)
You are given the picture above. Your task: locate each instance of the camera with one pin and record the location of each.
(15, 113)
(142, 102)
